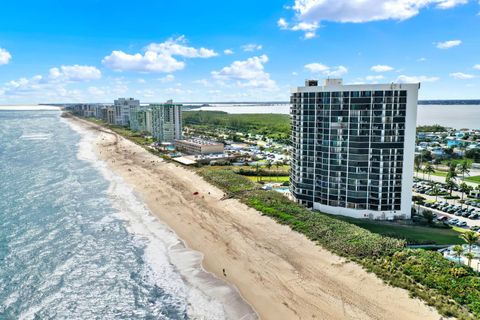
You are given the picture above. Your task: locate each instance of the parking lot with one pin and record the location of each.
(449, 211)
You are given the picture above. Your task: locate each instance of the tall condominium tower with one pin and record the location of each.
(167, 121)
(353, 148)
(122, 110)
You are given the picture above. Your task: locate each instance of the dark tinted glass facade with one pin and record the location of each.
(348, 148)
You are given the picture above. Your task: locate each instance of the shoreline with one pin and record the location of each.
(207, 294)
(280, 273)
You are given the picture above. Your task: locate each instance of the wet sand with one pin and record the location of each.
(281, 273)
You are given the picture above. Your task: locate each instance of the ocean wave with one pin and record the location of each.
(169, 263)
(36, 136)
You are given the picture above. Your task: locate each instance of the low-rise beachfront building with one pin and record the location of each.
(199, 146)
(122, 110)
(166, 121)
(353, 148)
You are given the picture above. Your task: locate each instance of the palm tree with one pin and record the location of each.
(428, 215)
(463, 188)
(278, 164)
(464, 168)
(452, 171)
(418, 163)
(458, 250)
(428, 170)
(470, 237)
(450, 184)
(435, 191)
(469, 256)
(268, 165)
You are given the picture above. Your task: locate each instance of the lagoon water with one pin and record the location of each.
(456, 116)
(77, 243)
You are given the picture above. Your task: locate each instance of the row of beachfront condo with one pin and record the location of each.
(162, 120)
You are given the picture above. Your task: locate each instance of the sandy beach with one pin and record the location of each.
(281, 273)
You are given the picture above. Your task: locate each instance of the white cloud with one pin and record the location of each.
(447, 4)
(448, 44)
(364, 10)
(308, 27)
(316, 67)
(167, 78)
(141, 81)
(282, 23)
(75, 73)
(149, 62)
(381, 68)
(305, 26)
(203, 82)
(338, 71)
(461, 76)
(251, 47)
(416, 79)
(5, 56)
(422, 59)
(228, 51)
(177, 47)
(96, 92)
(158, 57)
(247, 73)
(374, 78)
(477, 67)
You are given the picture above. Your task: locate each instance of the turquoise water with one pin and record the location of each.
(76, 243)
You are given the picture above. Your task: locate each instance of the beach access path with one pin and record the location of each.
(281, 273)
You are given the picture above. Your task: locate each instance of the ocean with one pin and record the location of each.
(77, 243)
(455, 116)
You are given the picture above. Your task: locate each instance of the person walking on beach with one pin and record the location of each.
(224, 273)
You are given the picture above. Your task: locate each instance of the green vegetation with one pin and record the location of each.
(136, 137)
(227, 180)
(474, 179)
(269, 178)
(432, 128)
(412, 234)
(453, 289)
(274, 126)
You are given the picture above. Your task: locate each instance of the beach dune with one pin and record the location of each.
(281, 273)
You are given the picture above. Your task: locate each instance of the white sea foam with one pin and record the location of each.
(36, 136)
(172, 266)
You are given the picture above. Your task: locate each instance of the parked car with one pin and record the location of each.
(473, 216)
(461, 224)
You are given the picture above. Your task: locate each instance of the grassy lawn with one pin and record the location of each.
(268, 178)
(437, 173)
(412, 234)
(474, 179)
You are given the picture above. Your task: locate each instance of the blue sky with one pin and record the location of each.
(239, 50)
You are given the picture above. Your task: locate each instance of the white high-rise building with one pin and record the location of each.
(353, 148)
(122, 110)
(166, 121)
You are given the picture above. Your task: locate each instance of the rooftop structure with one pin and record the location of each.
(199, 146)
